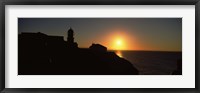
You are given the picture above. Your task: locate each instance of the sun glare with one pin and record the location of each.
(119, 44)
(118, 40)
(119, 53)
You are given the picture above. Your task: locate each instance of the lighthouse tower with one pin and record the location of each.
(70, 39)
(70, 36)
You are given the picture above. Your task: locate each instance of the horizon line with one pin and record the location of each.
(137, 50)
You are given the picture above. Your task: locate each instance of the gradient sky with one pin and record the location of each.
(160, 34)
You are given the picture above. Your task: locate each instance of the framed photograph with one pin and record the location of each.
(99, 46)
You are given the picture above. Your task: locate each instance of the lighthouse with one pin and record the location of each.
(70, 36)
(70, 39)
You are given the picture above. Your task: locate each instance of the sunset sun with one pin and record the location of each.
(118, 44)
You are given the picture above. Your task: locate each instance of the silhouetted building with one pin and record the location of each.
(98, 48)
(70, 39)
(35, 45)
(32, 40)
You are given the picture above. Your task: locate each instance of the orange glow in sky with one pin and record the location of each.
(118, 40)
(151, 34)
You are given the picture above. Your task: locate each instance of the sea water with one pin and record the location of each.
(152, 62)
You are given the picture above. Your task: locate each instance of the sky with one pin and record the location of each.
(151, 34)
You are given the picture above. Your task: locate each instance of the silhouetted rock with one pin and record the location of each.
(178, 70)
(40, 54)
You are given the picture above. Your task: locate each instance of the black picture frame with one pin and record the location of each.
(3, 3)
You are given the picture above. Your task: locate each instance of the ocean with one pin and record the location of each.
(152, 62)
